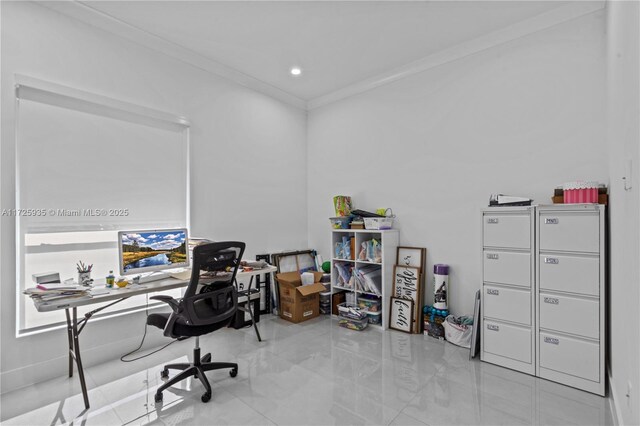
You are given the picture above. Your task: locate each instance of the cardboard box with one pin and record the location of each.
(299, 302)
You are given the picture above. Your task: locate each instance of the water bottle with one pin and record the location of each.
(111, 279)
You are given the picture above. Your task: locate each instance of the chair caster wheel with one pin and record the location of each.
(206, 358)
(206, 397)
(164, 374)
(158, 398)
(234, 372)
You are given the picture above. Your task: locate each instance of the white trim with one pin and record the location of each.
(33, 89)
(613, 401)
(85, 13)
(529, 26)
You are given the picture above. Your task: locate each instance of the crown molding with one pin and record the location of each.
(532, 25)
(85, 13)
(98, 19)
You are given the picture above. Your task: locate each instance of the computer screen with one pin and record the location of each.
(146, 251)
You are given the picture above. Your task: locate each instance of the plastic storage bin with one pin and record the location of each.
(325, 303)
(374, 317)
(353, 324)
(352, 311)
(340, 222)
(378, 222)
(371, 305)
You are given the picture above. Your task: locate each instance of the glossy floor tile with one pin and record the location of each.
(313, 373)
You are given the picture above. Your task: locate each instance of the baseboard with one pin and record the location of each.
(40, 372)
(613, 401)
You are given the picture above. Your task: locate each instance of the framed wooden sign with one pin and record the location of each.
(412, 256)
(406, 285)
(415, 257)
(401, 314)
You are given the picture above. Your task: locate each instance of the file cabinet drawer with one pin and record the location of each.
(507, 304)
(573, 274)
(572, 356)
(570, 232)
(507, 230)
(570, 315)
(507, 340)
(507, 267)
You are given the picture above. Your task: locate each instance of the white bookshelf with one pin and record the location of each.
(389, 240)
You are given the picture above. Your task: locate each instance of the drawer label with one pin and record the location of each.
(552, 300)
(551, 260)
(493, 327)
(552, 340)
(492, 220)
(493, 292)
(551, 221)
(493, 256)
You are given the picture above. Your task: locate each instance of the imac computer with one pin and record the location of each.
(152, 251)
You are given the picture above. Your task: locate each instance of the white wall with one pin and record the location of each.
(248, 161)
(623, 36)
(518, 118)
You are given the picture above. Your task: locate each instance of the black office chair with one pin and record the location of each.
(209, 303)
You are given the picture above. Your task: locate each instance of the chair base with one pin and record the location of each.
(196, 369)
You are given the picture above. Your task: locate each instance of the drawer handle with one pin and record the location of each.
(493, 256)
(551, 221)
(493, 292)
(552, 300)
(552, 340)
(492, 220)
(493, 327)
(551, 260)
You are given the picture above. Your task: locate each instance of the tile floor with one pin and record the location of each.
(313, 373)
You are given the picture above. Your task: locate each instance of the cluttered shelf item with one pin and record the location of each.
(363, 248)
(69, 297)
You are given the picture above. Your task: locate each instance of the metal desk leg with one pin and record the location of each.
(70, 337)
(76, 355)
(253, 320)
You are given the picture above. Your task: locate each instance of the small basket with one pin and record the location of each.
(378, 223)
(341, 222)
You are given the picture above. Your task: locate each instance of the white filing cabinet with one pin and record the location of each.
(570, 294)
(508, 302)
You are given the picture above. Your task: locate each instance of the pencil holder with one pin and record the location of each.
(84, 277)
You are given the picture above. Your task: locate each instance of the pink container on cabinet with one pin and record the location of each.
(580, 192)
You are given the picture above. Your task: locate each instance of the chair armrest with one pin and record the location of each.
(168, 300)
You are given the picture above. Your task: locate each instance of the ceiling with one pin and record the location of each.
(336, 43)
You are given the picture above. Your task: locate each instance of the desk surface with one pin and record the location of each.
(129, 291)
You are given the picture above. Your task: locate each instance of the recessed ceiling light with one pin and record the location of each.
(295, 71)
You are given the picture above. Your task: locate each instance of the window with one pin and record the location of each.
(87, 167)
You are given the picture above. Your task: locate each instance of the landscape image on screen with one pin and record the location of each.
(157, 248)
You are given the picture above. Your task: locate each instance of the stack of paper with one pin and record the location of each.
(57, 291)
(369, 279)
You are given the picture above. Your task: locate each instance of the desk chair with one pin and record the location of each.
(202, 312)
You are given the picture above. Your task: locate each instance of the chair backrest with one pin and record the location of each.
(214, 267)
(220, 261)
